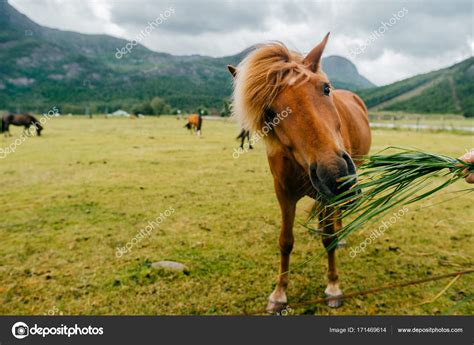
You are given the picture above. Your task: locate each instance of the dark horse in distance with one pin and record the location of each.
(26, 120)
(244, 133)
(242, 136)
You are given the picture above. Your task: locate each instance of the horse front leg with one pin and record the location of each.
(6, 129)
(277, 300)
(330, 223)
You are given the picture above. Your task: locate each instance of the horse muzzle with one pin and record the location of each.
(335, 177)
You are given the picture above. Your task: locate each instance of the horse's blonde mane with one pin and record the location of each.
(261, 76)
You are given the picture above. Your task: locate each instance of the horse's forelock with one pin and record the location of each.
(261, 76)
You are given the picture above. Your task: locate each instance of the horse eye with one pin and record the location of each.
(269, 114)
(326, 89)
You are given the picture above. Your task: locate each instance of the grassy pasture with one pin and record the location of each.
(71, 197)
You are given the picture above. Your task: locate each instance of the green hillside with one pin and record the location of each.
(343, 73)
(42, 67)
(449, 90)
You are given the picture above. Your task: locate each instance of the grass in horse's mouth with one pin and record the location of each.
(389, 180)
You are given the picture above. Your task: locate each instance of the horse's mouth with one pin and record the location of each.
(345, 189)
(318, 185)
(342, 185)
(334, 179)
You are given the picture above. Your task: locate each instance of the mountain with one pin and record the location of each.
(448, 90)
(41, 67)
(343, 73)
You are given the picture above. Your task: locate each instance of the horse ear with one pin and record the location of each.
(232, 70)
(312, 60)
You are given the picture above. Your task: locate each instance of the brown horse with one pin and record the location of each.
(26, 120)
(194, 123)
(310, 149)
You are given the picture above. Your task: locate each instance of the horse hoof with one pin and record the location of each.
(274, 307)
(342, 243)
(335, 301)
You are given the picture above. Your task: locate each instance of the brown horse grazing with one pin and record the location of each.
(26, 120)
(310, 149)
(194, 123)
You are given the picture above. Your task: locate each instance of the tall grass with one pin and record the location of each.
(388, 180)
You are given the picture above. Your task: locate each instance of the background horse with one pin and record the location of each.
(26, 120)
(194, 123)
(309, 149)
(244, 134)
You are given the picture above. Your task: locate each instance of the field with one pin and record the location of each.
(88, 186)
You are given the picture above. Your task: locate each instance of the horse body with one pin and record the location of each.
(194, 123)
(321, 141)
(25, 120)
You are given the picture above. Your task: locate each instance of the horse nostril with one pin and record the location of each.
(313, 167)
(350, 164)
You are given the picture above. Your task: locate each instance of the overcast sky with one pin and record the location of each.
(418, 36)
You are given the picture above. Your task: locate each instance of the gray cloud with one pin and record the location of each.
(194, 17)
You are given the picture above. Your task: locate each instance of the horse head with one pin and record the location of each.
(272, 82)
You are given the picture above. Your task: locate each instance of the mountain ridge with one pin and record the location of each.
(43, 66)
